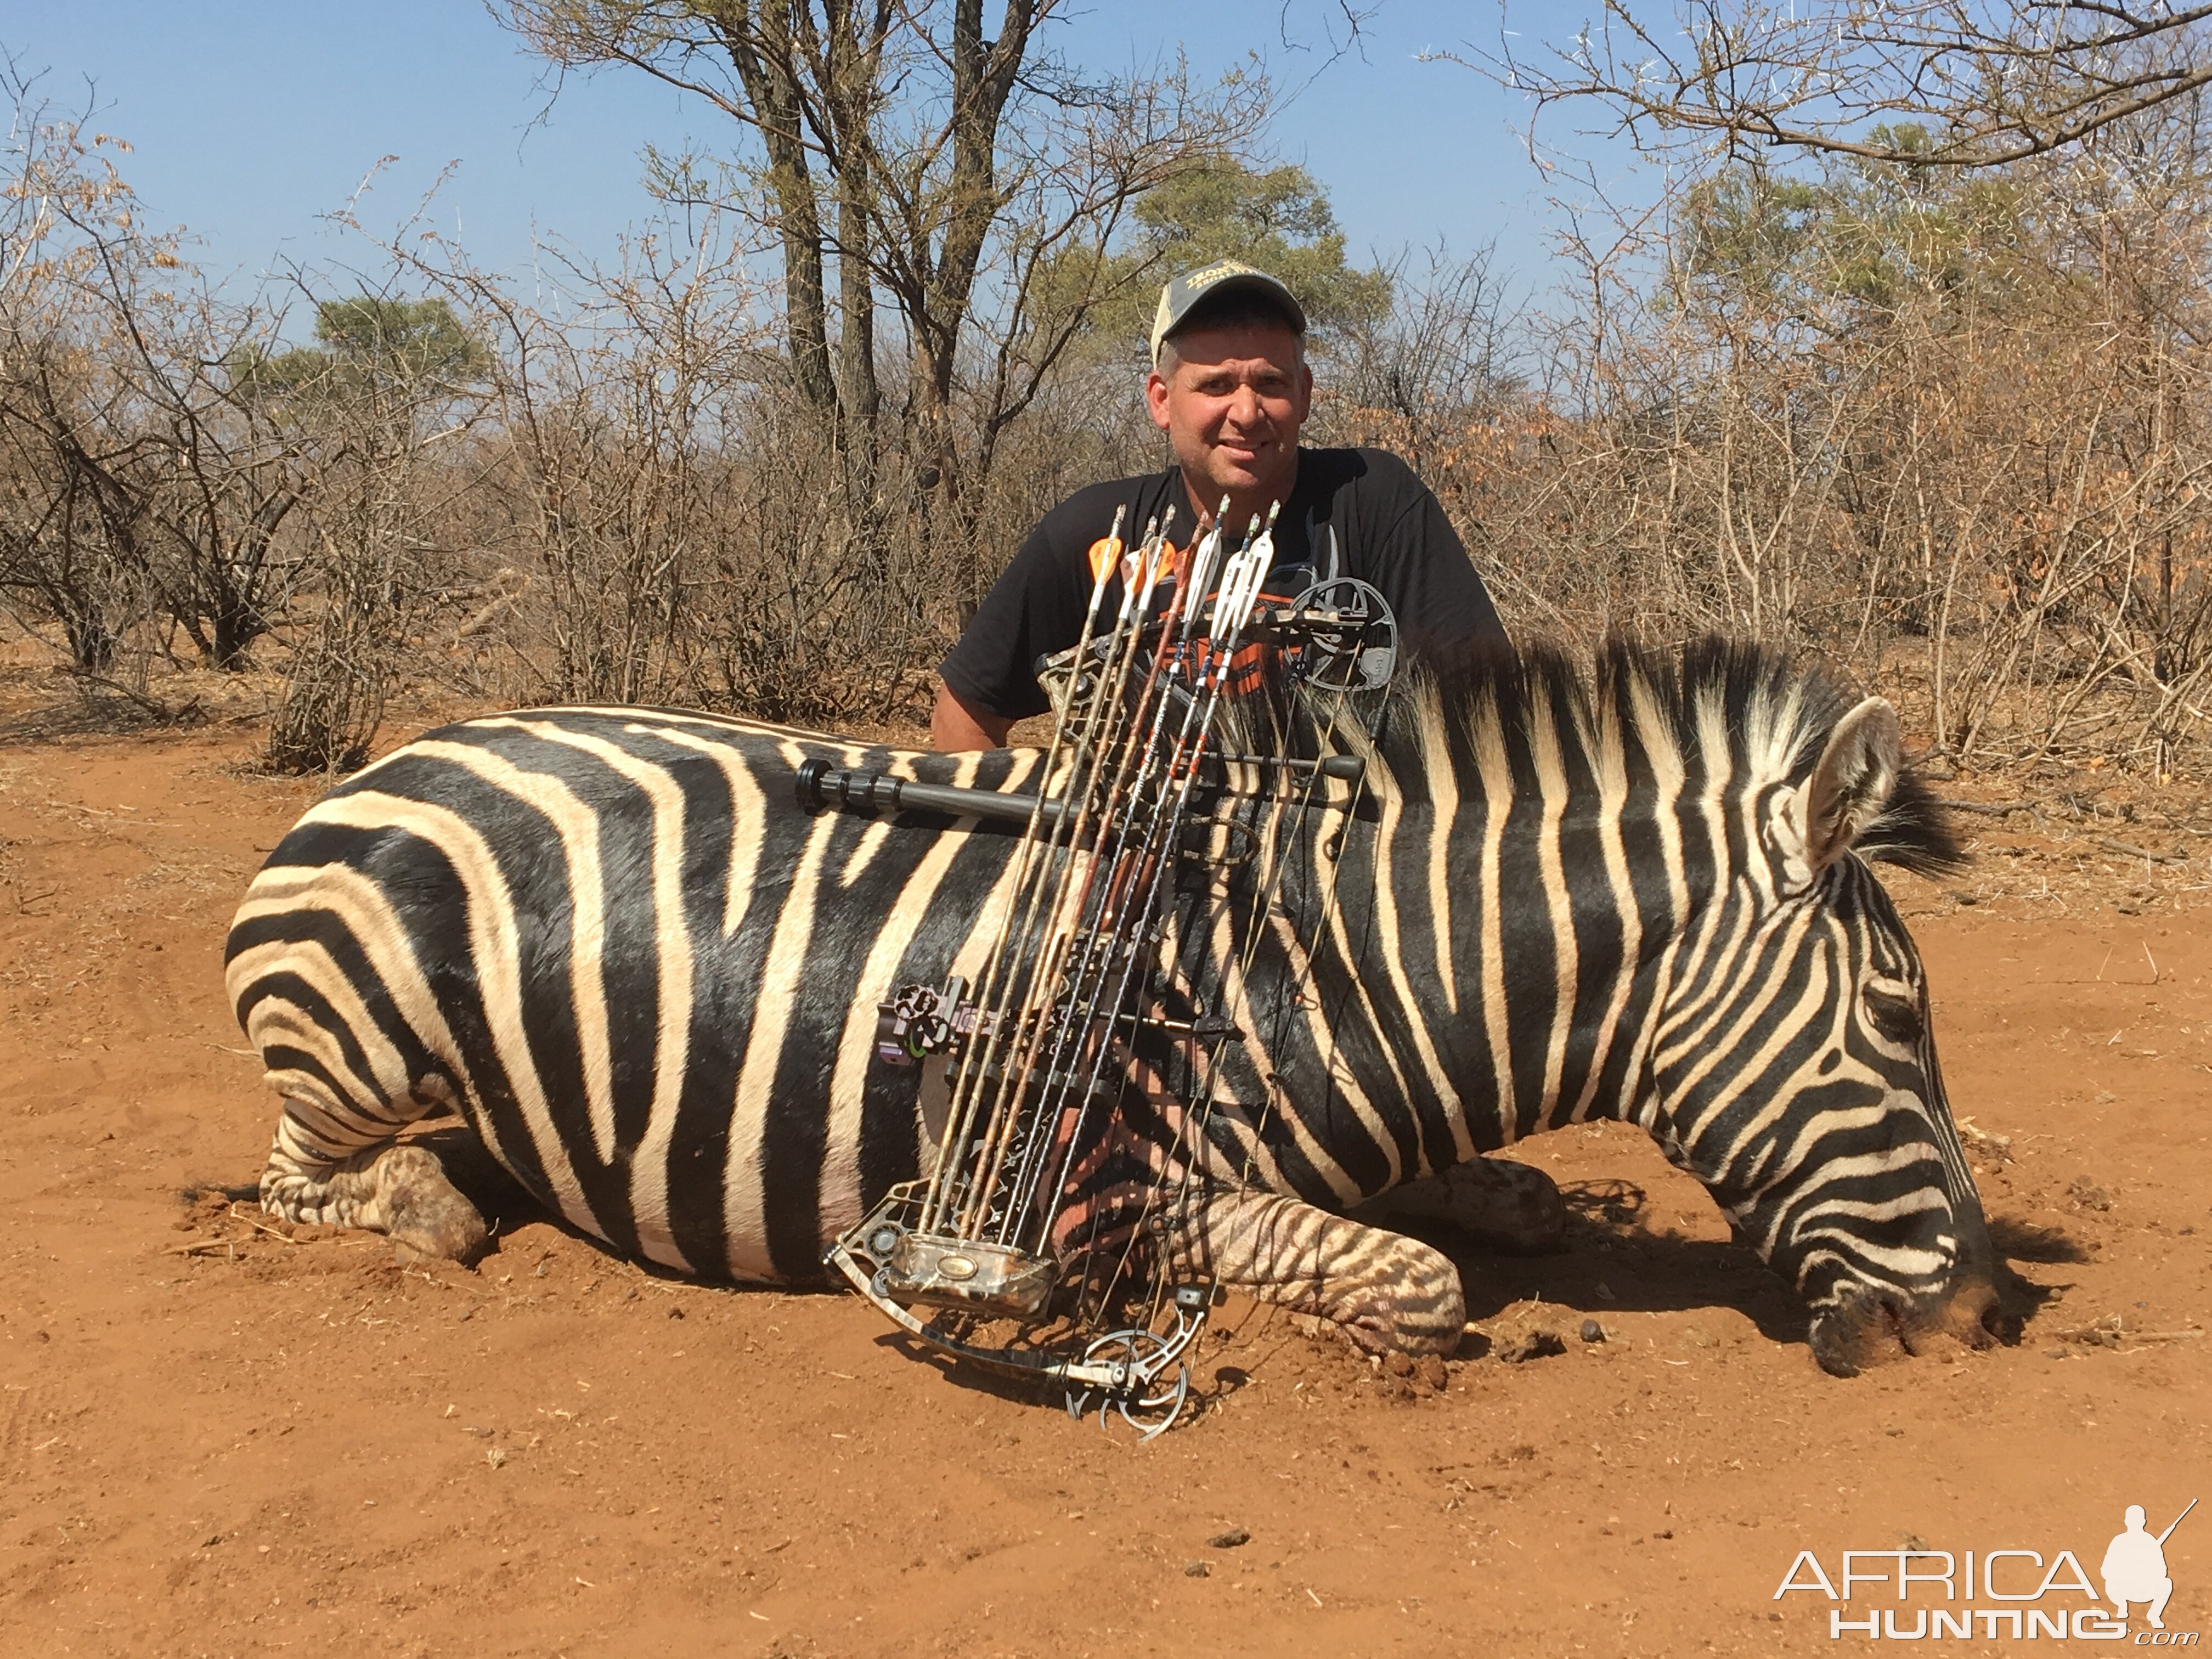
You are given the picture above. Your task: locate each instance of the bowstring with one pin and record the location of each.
(998, 978)
(1194, 1120)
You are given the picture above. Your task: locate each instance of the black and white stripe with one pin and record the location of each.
(1594, 897)
(613, 939)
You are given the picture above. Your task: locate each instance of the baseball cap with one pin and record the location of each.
(1184, 294)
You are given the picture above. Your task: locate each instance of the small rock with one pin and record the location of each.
(1592, 1331)
(495, 1456)
(1197, 1569)
(1235, 1537)
(1397, 1364)
(1963, 897)
(1430, 1371)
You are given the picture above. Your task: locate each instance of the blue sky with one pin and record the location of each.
(251, 117)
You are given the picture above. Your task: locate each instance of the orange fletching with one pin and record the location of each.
(1103, 552)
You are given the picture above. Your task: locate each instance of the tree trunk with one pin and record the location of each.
(762, 54)
(853, 66)
(983, 74)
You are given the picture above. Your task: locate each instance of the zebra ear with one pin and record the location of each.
(1852, 780)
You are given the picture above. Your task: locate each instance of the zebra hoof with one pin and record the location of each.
(1514, 1207)
(459, 1237)
(427, 1219)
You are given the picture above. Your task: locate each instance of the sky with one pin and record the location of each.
(251, 119)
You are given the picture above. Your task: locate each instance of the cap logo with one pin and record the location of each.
(1213, 274)
(1181, 296)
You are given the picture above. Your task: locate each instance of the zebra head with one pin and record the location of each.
(1796, 1067)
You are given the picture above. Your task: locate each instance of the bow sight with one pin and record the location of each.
(994, 1245)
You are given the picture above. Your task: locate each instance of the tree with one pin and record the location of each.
(371, 339)
(930, 163)
(1986, 82)
(1278, 220)
(1850, 247)
(139, 483)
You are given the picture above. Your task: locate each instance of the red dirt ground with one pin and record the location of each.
(216, 1438)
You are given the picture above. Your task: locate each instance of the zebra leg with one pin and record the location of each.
(1499, 1204)
(315, 1176)
(1385, 1292)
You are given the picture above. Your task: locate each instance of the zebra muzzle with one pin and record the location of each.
(1874, 1326)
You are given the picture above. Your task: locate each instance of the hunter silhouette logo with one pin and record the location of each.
(1917, 1592)
(2134, 1567)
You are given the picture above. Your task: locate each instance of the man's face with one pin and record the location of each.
(1232, 404)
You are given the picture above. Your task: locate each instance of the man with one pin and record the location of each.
(2135, 1568)
(1230, 387)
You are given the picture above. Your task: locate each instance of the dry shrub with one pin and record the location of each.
(332, 703)
(1955, 436)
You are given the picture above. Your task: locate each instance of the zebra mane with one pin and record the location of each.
(1712, 705)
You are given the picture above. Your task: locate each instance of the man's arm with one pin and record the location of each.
(955, 728)
(1444, 612)
(1034, 609)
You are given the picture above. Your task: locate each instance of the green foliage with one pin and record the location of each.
(1277, 219)
(1749, 233)
(411, 339)
(1858, 244)
(370, 342)
(262, 378)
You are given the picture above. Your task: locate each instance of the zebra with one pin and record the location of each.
(1637, 886)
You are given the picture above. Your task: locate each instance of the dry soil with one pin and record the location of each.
(220, 1436)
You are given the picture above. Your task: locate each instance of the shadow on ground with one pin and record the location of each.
(1611, 1260)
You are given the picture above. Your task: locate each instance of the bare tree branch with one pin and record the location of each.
(1925, 84)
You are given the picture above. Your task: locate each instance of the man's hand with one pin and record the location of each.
(955, 728)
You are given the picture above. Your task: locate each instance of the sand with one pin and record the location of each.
(221, 1436)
